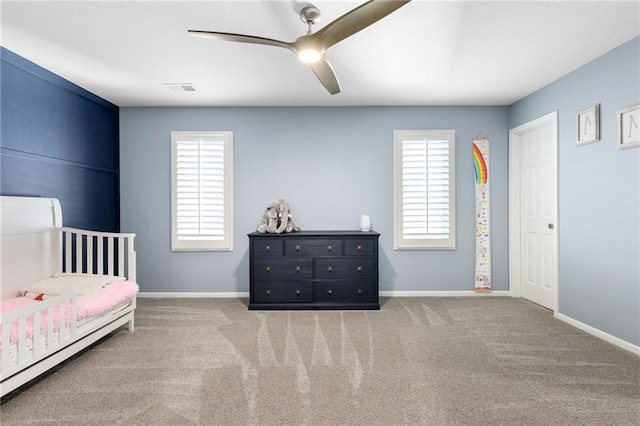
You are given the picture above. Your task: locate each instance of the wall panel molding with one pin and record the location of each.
(59, 140)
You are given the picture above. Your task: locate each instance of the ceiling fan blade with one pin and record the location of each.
(356, 20)
(242, 38)
(324, 71)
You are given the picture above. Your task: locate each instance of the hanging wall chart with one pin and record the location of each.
(483, 230)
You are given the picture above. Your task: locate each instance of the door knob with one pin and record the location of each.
(550, 226)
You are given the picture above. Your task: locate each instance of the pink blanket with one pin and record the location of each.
(90, 305)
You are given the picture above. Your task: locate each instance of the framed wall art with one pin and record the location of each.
(588, 125)
(628, 127)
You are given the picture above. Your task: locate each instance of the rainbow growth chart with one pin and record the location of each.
(483, 234)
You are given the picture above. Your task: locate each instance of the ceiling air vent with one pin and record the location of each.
(181, 87)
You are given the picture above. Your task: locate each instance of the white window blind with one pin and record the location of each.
(424, 209)
(201, 182)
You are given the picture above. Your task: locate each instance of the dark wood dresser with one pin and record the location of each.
(314, 270)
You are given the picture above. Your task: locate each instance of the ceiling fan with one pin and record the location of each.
(310, 47)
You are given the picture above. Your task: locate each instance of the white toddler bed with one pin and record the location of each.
(62, 289)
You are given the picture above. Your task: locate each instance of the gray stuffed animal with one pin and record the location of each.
(277, 219)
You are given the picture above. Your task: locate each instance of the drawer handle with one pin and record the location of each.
(329, 247)
(360, 292)
(297, 269)
(268, 292)
(359, 247)
(359, 268)
(268, 247)
(298, 246)
(268, 269)
(297, 292)
(329, 268)
(329, 292)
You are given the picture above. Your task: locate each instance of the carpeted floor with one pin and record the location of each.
(438, 361)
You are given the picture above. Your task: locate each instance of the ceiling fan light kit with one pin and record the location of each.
(309, 56)
(310, 48)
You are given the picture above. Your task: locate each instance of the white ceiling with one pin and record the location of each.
(426, 53)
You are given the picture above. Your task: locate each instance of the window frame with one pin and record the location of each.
(226, 244)
(399, 242)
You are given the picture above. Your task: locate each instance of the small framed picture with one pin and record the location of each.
(588, 125)
(628, 127)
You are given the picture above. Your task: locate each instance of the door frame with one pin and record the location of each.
(515, 175)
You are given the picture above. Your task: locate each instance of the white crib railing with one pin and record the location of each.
(100, 253)
(25, 349)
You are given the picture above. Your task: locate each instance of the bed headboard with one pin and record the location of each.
(28, 245)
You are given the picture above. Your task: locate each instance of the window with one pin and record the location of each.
(201, 191)
(423, 187)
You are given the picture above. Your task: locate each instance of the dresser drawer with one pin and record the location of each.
(267, 247)
(282, 269)
(345, 268)
(346, 291)
(313, 247)
(363, 247)
(293, 292)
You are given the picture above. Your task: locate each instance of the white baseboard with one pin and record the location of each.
(382, 294)
(462, 293)
(599, 333)
(178, 295)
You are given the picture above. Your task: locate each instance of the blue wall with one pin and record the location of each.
(58, 140)
(331, 164)
(599, 194)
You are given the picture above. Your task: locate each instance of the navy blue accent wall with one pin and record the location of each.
(58, 140)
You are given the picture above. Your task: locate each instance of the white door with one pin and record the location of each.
(535, 246)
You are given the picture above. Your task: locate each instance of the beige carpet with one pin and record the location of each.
(476, 360)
